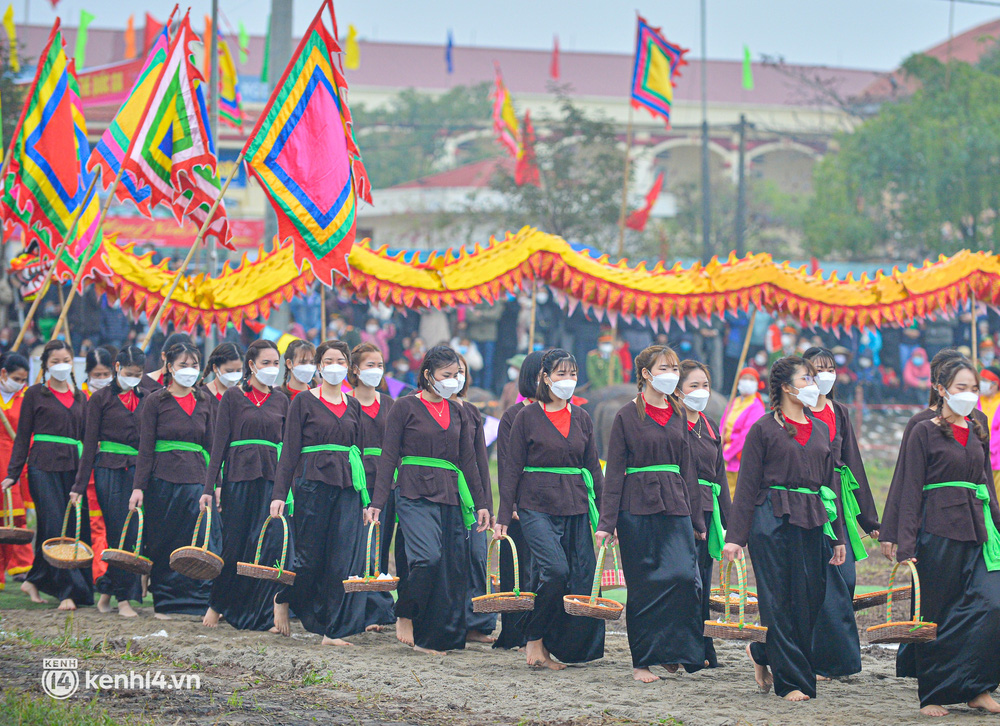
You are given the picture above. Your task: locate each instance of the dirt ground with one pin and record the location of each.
(258, 678)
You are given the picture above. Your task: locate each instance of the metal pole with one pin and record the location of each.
(706, 201)
(624, 211)
(213, 120)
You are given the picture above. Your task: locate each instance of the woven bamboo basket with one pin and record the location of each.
(592, 606)
(278, 573)
(370, 582)
(68, 553)
(9, 534)
(194, 561)
(724, 594)
(880, 597)
(740, 630)
(124, 559)
(613, 578)
(503, 602)
(903, 631)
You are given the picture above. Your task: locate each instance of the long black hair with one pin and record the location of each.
(527, 379)
(51, 347)
(176, 352)
(291, 353)
(782, 372)
(99, 357)
(550, 363)
(945, 377)
(438, 357)
(223, 353)
(253, 353)
(130, 356)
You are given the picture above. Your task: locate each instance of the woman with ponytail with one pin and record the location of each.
(14, 559)
(695, 391)
(48, 440)
(554, 480)
(300, 371)
(245, 450)
(653, 503)
(787, 512)
(945, 515)
(110, 447)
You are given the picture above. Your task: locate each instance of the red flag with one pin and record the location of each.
(152, 32)
(637, 219)
(526, 168)
(554, 67)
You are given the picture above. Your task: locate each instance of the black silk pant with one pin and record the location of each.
(114, 488)
(836, 648)
(379, 609)
(705, 566)
(484, 623)
(50, 490)
(512, 634)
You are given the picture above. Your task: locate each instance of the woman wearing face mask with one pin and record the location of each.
(99, 367)
(300, 371)
(785, 509)
(368, 387)
(917, 374)
(944, 514)
(14, 559)
(110, 446)
(428, 465)
(554, 480)
(324, 432)
(737, 419)
(653, 500)
(226, 365)
(989, 399)
(695, 387)
(175, 436)
(378, 335)
(248, 430)
(48, 440)
(153, 381)
(604, 368)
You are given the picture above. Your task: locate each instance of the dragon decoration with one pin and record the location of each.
(578, 277)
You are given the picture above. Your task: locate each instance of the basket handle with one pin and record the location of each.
(371, 558)
(138, 536)
(284, 543)
(197, 526)
(72, 505)
(916, 591)
(741, 583)
(597, 573)
(495, 544)
(8, 512)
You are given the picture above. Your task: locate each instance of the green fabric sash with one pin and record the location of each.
(372, 451)
(991, 548)
(357, 467)
(163, 446)
(464, 495)
(588, 479)
(256, 442)
(113, 447)
(848, 485)
(829, 504)
(716, 534)
(50, 439)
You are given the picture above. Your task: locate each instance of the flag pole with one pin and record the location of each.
(322, 310)
(628, 154)
(975, 332)
(52, 268)
(62, 303)
(190, 255)
(534, 308)
(739, 367)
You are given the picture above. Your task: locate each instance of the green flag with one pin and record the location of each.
(267, 52)
(244, 37)
(81, 39)
(747, 69)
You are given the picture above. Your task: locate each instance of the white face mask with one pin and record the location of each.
(447, 388)
(10, 386)
(267, 376)
(186, 376)
(563, 389)
(808, 395)
(962, 403)
(787, 341)
(371, 329)
(666, 383)
(228, 380)
(746, 387)
(461, 381)
(513, 373)
(60, 371)
(334, 374)
(606, 348)
(127, 382)
(986, 388)
(304, 373)
(825, 381)
(840, 360)
(697, 400)
(96, 384)
(371, 376)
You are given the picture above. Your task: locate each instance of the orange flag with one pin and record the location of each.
(130, 37)
(206, 39)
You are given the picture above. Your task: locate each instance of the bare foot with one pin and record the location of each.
(335, 641)
(126, 610)
(670, 667)
(404, 631)
(474, 636)
(67, 604)
(144, 579)
(162, 616)
(104, 604)
(985, 701)
(644, 675)
(29, 589)
(281, 623)
(761, 674)
(796, 696)
(427, 651)
(823, 678)
(373, 629)
(211, 618)
(538, 657)
(935, 710)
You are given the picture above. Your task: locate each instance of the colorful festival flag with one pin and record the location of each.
(449, 60)
(747, 69)
(504, 118)
(8, 25)
(152, 31)
(303, 153)
(656, 64)
(244, 38)
(526, 168)
(352, 53)
(554, 65)
(81, 38)
(637, 220)
(230, 101)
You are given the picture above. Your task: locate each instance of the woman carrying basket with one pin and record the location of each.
(245, 447)
(324, 433)
(49, 439)
(946, 519)
(428, 465)
(785, 509)
(554, 479)
(652, 497)
(695, 387)
(110, 447)
(175, 436)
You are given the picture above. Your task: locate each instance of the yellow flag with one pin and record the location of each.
(352, 53)
(8, 24)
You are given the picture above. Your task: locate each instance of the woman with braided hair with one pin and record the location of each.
(653, 504)
(945, 517)
(300, 371)
(787, 513)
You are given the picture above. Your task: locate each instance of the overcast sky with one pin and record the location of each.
(873, 34)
